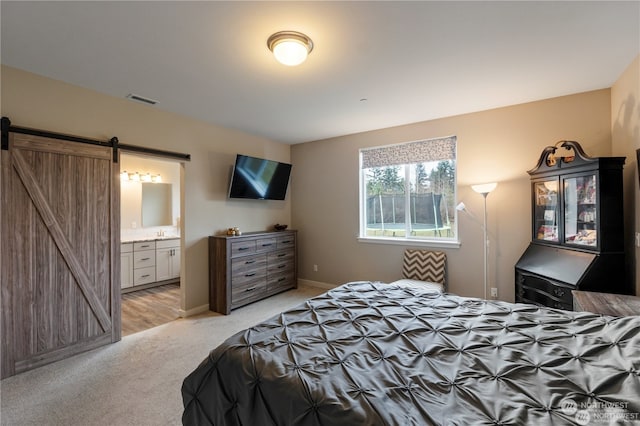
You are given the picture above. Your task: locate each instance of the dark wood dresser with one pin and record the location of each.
(247, 268)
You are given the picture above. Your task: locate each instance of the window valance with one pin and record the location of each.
(410, 152)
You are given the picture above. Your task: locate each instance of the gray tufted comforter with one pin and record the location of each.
(382, 354)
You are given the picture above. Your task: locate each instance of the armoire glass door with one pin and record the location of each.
(546, 211)
(580, 213)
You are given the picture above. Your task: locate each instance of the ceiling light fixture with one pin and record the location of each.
(290, 47)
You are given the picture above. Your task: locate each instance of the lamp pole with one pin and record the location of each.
(484, 189)
(484, 228)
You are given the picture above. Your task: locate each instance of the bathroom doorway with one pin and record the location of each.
(150, 241)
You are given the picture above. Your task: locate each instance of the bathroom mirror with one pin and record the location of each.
(156, 204)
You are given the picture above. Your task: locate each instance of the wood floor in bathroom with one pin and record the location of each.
(144, 309)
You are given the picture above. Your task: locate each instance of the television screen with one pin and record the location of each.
(260, 179)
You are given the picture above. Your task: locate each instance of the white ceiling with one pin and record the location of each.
(411, 61)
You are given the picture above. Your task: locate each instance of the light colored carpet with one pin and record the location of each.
(135, 381)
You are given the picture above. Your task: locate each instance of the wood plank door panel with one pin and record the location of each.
(58, 295)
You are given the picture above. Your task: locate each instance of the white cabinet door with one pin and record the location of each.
(163, 263)
(167, 260)
(126, 265)
(126, 270)
(175, 263)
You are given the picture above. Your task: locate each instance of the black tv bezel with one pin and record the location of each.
(638, 163)
(233, 183)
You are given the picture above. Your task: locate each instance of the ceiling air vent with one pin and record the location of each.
(141, 99)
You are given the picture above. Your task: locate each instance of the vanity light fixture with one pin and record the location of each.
(140, 177)
(290, 48)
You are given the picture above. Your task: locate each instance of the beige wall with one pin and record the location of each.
(37, 102)
(625, 129)
(497, 145)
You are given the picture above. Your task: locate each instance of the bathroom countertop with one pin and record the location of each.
(141, 239)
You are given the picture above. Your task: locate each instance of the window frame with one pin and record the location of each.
(434, 241)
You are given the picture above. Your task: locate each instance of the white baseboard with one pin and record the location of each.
(317, 284)
(193, 311)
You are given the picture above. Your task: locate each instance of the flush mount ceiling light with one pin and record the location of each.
(290, 47)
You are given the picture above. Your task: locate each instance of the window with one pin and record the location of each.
(408, 192)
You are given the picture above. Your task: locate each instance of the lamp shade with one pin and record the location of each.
(484, 188)
(289, 47)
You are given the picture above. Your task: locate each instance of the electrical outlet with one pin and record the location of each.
(494, 292)
(637, 239)
(133, 225)
(315, 268)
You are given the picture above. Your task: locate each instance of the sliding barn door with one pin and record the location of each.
(58, 256)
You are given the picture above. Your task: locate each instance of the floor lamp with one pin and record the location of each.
(485, 189)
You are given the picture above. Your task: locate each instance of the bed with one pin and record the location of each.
(370, 353)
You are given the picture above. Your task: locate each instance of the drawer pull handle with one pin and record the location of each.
(243, 248)
(281, 279)
(250, 275)
(282, 254)
(145, 258)
(144, 246)
(145, 276)
(286, 242)
(282, 266)
(250, 289)
(266, 245)
(249, 262)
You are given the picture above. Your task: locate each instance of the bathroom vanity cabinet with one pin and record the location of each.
(149, 262)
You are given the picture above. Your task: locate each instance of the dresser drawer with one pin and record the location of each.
(286, 242)
(280, 261)
(244, 277)
(282, 256)
(251, 290)
(247, 264)
(242, 247)
(281, 281)
(265, 244)
(144, 275)
(144, 259)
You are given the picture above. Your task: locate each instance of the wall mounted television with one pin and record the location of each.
(259, 179)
